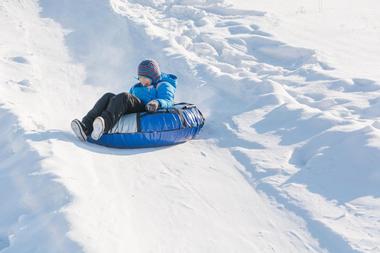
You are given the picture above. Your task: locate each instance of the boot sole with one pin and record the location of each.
(97, 131)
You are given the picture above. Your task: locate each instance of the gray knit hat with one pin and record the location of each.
(149, 68)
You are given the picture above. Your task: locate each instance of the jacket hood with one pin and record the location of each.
(169, 78)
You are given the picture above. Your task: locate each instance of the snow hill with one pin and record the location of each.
(288, 160)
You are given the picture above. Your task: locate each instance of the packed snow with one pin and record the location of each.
(286, 162)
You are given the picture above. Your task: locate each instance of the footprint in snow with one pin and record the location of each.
(24, 82)
(366, 84)
(24, 85)
(19, 59)
(240, 29)
(227, 23)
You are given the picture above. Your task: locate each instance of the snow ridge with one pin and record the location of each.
(34, 198)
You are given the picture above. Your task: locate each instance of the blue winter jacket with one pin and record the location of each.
(162, 91)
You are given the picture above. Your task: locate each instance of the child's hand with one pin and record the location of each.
(152, 106)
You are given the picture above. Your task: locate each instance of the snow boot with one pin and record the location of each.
(79, 129)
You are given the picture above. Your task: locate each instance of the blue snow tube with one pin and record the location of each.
(178, 124)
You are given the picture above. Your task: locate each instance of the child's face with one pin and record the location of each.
(145, 80)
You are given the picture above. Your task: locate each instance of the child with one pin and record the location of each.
(155, 90)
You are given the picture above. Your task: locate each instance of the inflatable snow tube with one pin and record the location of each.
(178, 124)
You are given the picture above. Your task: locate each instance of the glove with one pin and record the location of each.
(152, 106)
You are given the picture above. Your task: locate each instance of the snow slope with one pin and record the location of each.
(285, 163)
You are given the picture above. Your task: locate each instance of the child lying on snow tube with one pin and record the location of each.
(154, 91)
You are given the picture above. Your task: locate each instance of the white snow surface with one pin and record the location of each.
(288, 160)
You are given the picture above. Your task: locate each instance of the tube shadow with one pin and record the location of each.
(56, 134)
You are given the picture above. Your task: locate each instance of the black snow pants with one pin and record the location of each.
(111, 107)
